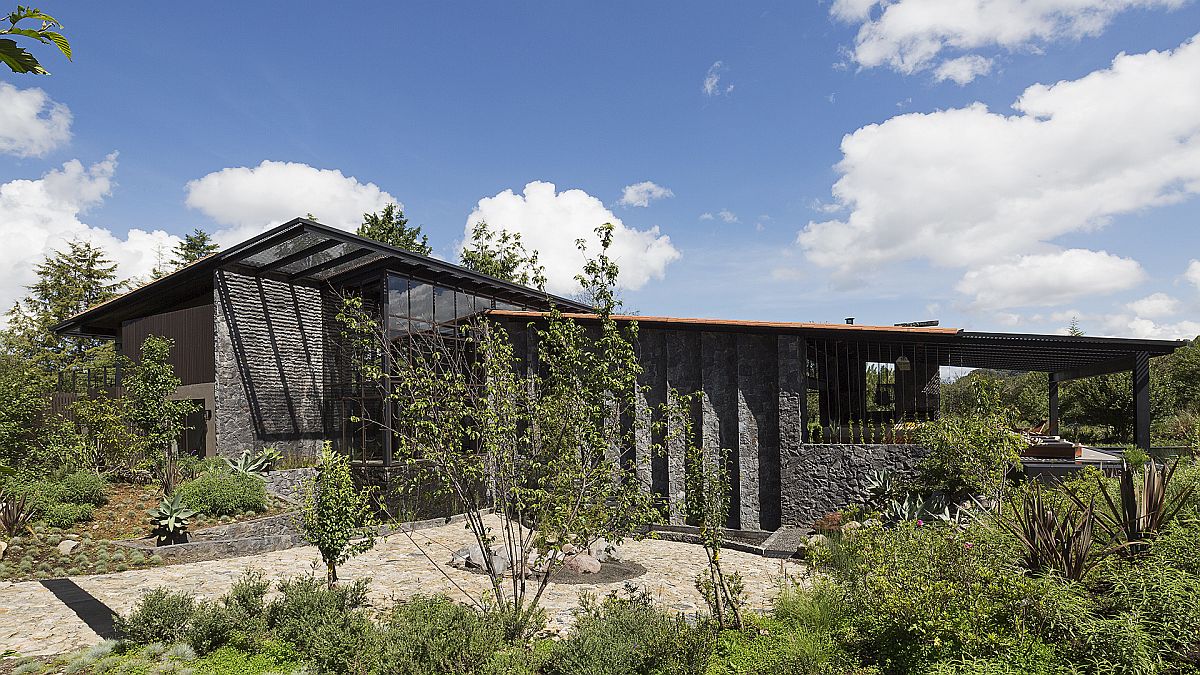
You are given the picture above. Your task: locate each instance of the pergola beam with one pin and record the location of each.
(1141, 400)
(1118, 365)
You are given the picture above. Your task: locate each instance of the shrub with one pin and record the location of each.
(325, 624)
(438, 635)
(159, 616)
(219, 493)
(85, 487)
(64, 515)
(628, 634)
(820, 608)
(769, 647)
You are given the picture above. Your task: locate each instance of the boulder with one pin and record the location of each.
(3, 548)
(604, 551)
(817, 540)
(66, 546)
(582, 563)
(468, 556)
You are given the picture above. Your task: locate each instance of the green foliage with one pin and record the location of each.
(63, 514)
(16, 57)
(391, 227)
(1139, 514)
(821, 607)
(148, 384)
(220, 493)
(335, 515)
(248, 463)
(199, 244)
(502, 255)
(327, 625)
(15, 513)
(626, 633)
(433, 634)
(707, 504)
(85, 487)
(108, 436)
(170, 518)
(160, 615)
(769, 647)
(1055, 538)
(970, 452)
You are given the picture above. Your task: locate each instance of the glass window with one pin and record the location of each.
(443, 305)
(420, 301)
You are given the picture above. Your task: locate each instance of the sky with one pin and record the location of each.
(993, 164)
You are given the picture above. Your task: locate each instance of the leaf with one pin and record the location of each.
(59, 41)
(19, 60)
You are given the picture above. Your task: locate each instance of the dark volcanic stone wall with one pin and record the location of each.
(273, 360)
(821, 479)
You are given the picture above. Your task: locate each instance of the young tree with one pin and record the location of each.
(502, 255)
(391, 227)
(707, 500)
(335, 516)
(159, 420)
(541, 448)
(17, 58)
(197, 245)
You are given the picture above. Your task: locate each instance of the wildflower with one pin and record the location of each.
(920, 523)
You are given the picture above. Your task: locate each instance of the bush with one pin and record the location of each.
(628, 634)
(84, 487)
(769, 647)
(63, 515)
(438, 635)
(220, 493)
(326, 625)
(159, 616)
(821, 608)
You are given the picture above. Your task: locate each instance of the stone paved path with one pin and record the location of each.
(34, 622)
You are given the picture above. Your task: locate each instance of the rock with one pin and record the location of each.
(604, 551)
(582, 563)
(3, 548)
(468, 556)
(851, 526)
(66, 546)
(817, 540)
(569, 549)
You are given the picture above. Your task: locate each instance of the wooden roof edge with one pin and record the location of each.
(734, 323)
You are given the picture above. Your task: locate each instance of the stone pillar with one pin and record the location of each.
(758, 431)
(719, 411)
(792, 404)
(651, 469)
(683, 375)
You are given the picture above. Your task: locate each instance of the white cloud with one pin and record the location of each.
(550, 222)
(641, 194)
(967, 186)
(43, 215)
(915, 35)
(249, 200)
(707, 216)
(1193, 273)
(963, 69)
(1140, 327)
(712, 80)
(727, 216)
(1049, 279)
(1154, 306)
(31, 123)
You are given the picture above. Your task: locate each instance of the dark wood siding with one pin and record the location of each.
(192, 331)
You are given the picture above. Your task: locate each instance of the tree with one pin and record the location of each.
(69, 282)
(391, 227)
(707, 500)
(148, 385)
(197, 245)
(335, 516)
(17, 58)
(533, 457)
(502, 255)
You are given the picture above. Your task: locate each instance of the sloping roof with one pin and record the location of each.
(302, 251)
(744, 326)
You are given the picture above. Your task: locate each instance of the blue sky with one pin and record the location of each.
(952, 212)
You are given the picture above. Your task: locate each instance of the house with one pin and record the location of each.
(806, 409)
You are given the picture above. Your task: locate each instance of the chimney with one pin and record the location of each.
(850, 320)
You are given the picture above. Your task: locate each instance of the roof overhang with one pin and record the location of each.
(299, 251)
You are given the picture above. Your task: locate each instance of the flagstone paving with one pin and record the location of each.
(33, 621)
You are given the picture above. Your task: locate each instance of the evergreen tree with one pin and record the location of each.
(199, 244)
(69, 282)
(391, 227)
(502, 255)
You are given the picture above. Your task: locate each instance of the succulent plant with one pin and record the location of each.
(249, 464)
(15, 513)
(170, 520)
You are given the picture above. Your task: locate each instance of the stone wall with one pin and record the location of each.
(821, 479)
(273, 353)
(289, 483)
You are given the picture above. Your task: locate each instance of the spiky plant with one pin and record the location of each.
(1135, 516)
(15, 513)
(170, 520)
(1055, 539)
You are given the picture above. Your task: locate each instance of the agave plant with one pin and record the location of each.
(1136, 515)
(916, 506)
(170, 520)
(1055, 539)
(15, 513)
(249, 464)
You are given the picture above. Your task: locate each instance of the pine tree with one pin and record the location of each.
(391, 227)
(197, 245)
(502, 255)
(69, 282)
